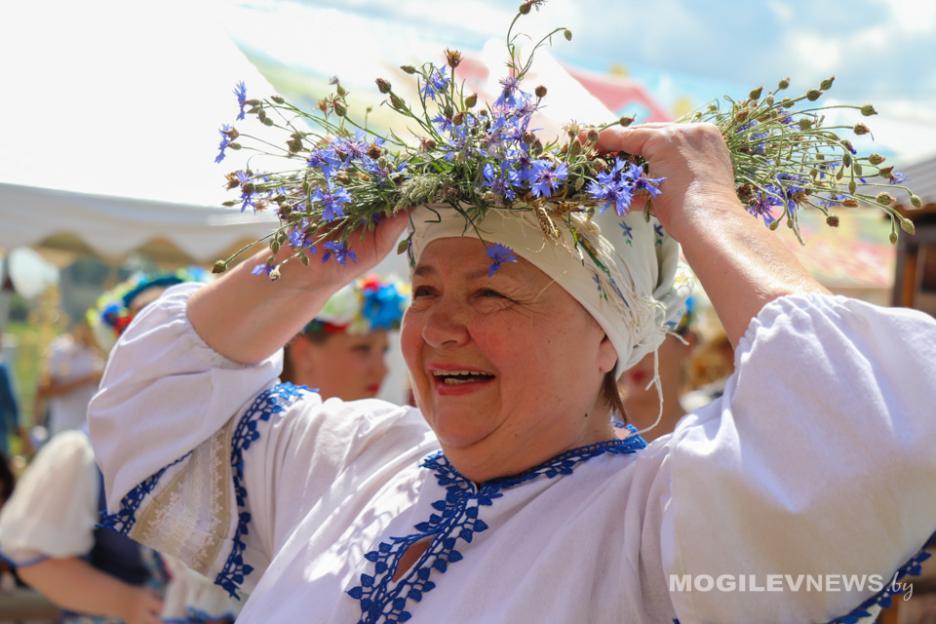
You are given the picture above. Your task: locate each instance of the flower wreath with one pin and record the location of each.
(363, 306)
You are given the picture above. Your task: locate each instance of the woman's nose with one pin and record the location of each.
(445, 326)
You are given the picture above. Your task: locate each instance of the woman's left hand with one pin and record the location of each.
(695, 162)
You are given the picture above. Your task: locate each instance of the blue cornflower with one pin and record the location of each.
(546, 178)
(325, 160)
(262, 269)
(511, 96)
(248, 190)
(615, 187)
(332, 199)
(499, 254)
(225, 141)
(763, 205)
(897, 178)
(436, 82)
(240, 90)
(501, 182)
(444, 123)
(341, 252)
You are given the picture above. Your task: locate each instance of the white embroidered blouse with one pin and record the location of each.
(816, 463)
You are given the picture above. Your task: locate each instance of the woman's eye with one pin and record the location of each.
(363, 349)
(487, 292)
(423, 291)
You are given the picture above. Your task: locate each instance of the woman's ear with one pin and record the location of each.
(300, 352)
(607, 355)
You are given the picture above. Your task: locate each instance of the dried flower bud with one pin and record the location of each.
(786, 103)
(852, 187)
(397, 102)
(525, 8)
(592, 135)
(219, 267)
(804, 124)
(876, 159)
(252, 102)
(266, 122)
(885, 199)
(813, 94)
(458, 118)
(567, 34)
(453, 58)
(626, 121)
(540, 91)
(867, 110)
(769, 100)
(409, 69)
(600, 166)
(427, 145)
(885, 172)
(784, 84)
(323, 106)
(232, 133)
(826, 84)
(848, 145)
(232, 181)
(374, 151)
(916, 201)
(340, 109)
(907, 226)
(861, 129)
(383, 86)
(893, 238)
(756, 93)
(858, 169)
(471, 100)
(832, 220)
(278, 99)
(851, 202)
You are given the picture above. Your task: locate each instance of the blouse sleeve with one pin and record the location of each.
(53, 510)
(215, 463)
(810, 485)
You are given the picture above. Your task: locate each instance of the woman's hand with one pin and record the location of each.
(741, 264)
(366, 250)
(248, 317)
(141, 606)
(695, 162)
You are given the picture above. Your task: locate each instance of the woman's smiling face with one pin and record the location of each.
(507, 369)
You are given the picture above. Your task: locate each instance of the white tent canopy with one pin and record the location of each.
(109, 126)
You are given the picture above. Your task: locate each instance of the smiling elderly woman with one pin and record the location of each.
(816, 461)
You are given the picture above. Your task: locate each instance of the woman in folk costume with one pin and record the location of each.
(505, 496)
(342, 351)
(49, 529)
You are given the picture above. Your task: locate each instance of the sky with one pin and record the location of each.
(686, 52)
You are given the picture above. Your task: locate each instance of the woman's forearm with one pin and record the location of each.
(246, 318)
(740, 263)
(75, 585)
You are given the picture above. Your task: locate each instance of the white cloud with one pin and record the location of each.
(782, 10)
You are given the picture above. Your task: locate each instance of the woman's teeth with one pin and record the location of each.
(454, 378)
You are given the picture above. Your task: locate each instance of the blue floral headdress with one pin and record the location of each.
(365, 305)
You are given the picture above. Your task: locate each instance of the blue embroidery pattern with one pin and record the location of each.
(272, 401)
(456, 517)
(124, 518)
(913, 567)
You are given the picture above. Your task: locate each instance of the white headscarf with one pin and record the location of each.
(635, 301)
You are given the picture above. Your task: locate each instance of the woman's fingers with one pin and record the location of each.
(630, 140)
